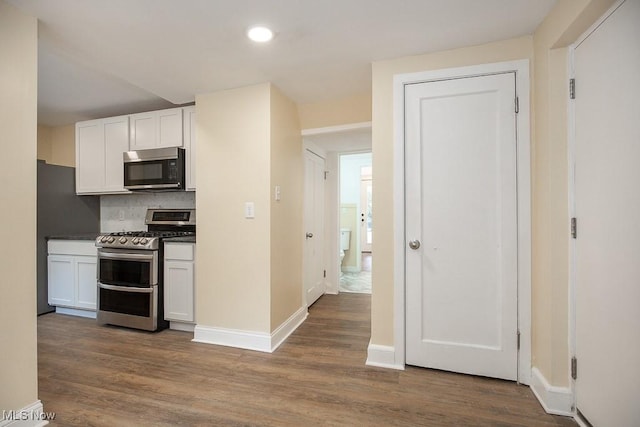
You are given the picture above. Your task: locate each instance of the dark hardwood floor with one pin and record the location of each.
(92, 375)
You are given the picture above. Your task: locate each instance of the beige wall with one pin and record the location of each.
(249, 273)
(18, 118)
(382, 137)
(351, 109)
(44, 143)
(550, 215)
(233, 260)
(286, 214)
(56, 145)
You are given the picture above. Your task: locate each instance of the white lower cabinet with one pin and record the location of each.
(72, 274)
(179, 282)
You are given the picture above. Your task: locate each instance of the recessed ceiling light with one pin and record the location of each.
(260, 34)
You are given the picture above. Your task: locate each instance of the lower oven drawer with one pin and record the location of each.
(133, 301)
(127, 306)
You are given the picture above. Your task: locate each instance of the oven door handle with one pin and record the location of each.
(121, 256)
(126, 288)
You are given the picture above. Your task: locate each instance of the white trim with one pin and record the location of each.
(580, 421)
(336, 129)
(383, 356)
(596, 24)
(554, 400)
(258, 341)
(250, 340)
(182, 326)
(283, 331)
(76, 312)
(521, 68)
(35, 410)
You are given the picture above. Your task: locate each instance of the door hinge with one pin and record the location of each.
(324, 273)
(325, 175)
(517, 105)
(574, 368)
(518, 340)
(572, 88)
(574, 227)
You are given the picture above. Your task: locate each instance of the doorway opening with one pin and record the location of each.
(356, 222)
(333, 143)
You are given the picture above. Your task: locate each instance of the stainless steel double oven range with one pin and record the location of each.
(130, 270)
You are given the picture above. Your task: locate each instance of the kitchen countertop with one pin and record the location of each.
(181, 239)
(75, 236)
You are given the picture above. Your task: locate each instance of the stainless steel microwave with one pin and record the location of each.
(154, 169)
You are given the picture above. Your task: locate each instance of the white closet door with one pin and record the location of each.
(607, 206)
(461, 206)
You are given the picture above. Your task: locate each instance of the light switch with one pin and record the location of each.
(249, 210)
(277, 193)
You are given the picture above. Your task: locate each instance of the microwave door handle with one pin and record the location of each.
(128, 256)
(125, 288)
(151, 186)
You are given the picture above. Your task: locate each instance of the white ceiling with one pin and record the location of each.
(105, 57)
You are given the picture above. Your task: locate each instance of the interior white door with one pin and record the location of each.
(607, 208)
(461, 291)
(314, 283)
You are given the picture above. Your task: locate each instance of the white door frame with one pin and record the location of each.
(521, 68)
(571, 147)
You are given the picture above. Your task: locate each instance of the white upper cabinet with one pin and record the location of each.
(190, 146)
(156, 129)
(99, 147)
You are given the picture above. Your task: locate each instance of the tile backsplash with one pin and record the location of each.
(126, 212)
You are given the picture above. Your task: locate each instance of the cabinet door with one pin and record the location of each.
(170, 128)
(116, 137)
(190, 146)
(143, 130)
(178, 291)
(90, 165)
(61, 277)
(86, 279)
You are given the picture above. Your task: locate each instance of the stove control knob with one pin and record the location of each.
(111, 239)
(103, 239)
(144, 241)
(135, 240)
(123, 240)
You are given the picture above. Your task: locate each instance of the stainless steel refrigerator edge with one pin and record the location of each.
(60, 212)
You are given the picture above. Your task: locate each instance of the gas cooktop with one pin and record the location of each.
(161, 224)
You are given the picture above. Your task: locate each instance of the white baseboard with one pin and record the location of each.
(554, 400)
(283, 331)
(382, 356)
(29, 416)
(250, 340)
(181, 326)
(76, 312)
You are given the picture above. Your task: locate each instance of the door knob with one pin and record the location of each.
(309, 235)
(414, 244)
